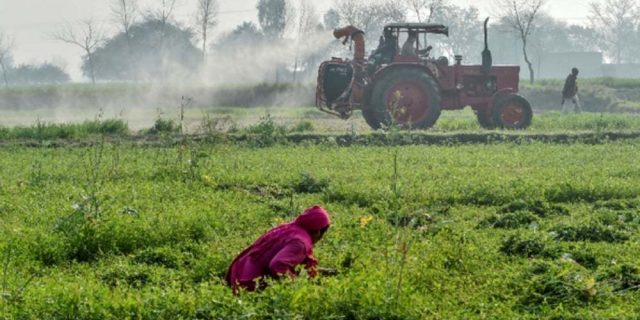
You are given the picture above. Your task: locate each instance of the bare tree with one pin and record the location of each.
(464, 31)
(88, 37)
(165, 11)
(306, 21)
(369, 16)
(616, 22)
(206, 17)
(520, 16)
(124, 13)
(425, 10)
(6, 45)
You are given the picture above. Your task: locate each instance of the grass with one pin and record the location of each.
(48, 131)
(121, 231)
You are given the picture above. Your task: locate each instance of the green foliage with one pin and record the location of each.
(552, 284)
(525, 245)
(622, 277)
(590, 232)
(309, 184)
(116, 231)
(49, 131)
(164, 126)
(510, 220)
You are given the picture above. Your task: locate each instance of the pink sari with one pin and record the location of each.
(278, 252)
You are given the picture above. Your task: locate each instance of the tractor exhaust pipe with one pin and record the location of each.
(357, 36)
(487, 60)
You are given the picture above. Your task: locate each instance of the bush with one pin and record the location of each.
(164, 126)
(309, 184)
(510, 220)
(527, 246)
(538, 207)
(591, 232)
(623, 277)
(555, 283)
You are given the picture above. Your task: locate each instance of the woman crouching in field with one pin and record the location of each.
(277, 253)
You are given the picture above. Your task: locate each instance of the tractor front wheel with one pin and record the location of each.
(485, 119)
(370, 118)
(407, 98)
(512, 112)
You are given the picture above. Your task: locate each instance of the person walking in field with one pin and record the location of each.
(570, 91)
(279, 251)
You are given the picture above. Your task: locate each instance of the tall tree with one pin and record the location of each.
(88, 38)
(206, 17)
(164, 11)
(331, 19)
(306, 22)
(6, 45)
(465, 35)
(520, 16)
(180, 59)
(125, 13)
(272, 15)
(425, 10)
(369, 16)
(616, 22)
(45, 73)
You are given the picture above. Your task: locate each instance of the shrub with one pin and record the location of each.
(554, 283)
(526, 246)
(309, 184)
(591, 232)
(164, 126)
(510, 220)
(537, 207)
(623, 277)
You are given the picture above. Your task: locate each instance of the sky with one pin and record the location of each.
(31, 22)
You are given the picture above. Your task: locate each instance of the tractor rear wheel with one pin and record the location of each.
(512, 112)
(406, 97)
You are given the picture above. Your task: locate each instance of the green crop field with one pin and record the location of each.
(118, 229)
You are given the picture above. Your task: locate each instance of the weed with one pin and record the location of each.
(538, 207)
(532, 245)
(164, 126)
(622, 277)
(303, 126)
(163, 256)
(590, 232)
(510, 220)
(551, 283)
(309, 184)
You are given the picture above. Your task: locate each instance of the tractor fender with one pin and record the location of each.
(383, 71)
(501, 93)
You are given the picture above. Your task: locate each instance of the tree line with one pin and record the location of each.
(150, 44)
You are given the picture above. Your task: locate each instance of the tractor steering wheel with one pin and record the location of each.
(425, 52)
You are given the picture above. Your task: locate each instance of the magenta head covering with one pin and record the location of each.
(313, 219)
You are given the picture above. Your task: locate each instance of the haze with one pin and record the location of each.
(30, 23)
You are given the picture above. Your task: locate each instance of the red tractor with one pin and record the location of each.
(405, 86)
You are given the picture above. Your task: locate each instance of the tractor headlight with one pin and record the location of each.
(491, 85)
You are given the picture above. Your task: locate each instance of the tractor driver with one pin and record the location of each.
(386, 48)
(409, 47)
